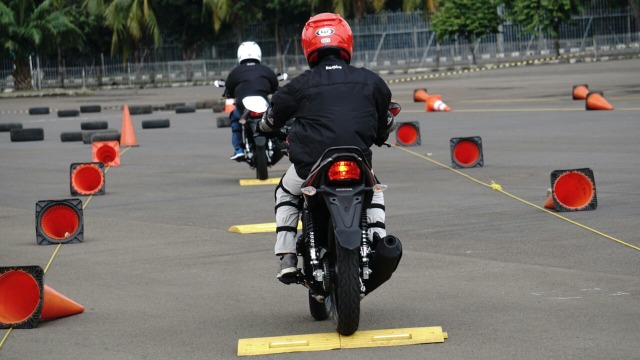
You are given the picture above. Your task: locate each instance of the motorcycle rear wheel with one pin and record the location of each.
(261, 162)
(344, 301)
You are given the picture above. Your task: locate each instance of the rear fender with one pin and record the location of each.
(260, 141)
(345, 207)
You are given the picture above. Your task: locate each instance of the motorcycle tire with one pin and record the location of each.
(261, 163)
(345, 295)
(318, 309)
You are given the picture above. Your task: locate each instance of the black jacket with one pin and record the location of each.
(250, 78)
(334, 104)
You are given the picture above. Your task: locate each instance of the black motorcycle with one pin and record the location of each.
(340, 263)
(260, 152)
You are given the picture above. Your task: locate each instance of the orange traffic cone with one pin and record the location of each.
(25, 301)
(549, 204)
(59, 221)
(56, 305)
(229, 105)
(127, 135)
(580, 92)
(434, 103)
(87, 178)
(466, 152)
(574, 190)
(408, 134)
(106, 152)
(596, 101)
(420, 95)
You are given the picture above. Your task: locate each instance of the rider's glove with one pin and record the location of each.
(391, 123)
(383, 134)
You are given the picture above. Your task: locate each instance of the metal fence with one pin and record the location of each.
(388, 40)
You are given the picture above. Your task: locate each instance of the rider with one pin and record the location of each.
(334, 104)
(249, 78)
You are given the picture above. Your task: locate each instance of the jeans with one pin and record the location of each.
(236, 130)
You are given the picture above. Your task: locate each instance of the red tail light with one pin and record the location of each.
(254, 114)
(344, 170)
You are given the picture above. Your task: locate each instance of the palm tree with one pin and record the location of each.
(29, 28)
(358, 7)
(219, 10)
(132, 22)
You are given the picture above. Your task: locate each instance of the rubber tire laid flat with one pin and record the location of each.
(68, 113)
(39, 111)
(90, 109)
(94, 125)
(185, 109)
(10, 126)
(223, 121)
(31, 134)
(71, 136)
(156, 124)
(105, 136)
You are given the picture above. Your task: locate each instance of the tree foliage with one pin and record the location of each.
(468, 19)
(30, 27)
(542, 16)
(55, 28)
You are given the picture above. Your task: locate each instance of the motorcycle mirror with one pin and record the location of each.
(283, 77)
(394, 108)
(255, 103)
(219, 83)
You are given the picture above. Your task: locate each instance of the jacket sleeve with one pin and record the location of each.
(231, 83)
(382, 95)
(273, 81)
(284, 103)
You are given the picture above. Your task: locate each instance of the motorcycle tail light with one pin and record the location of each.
(254, 114)
(344, 170)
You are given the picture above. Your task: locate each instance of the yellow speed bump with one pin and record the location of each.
(333, 341)
(252, 182)
(287, 344)
(393, 337)
(256, 228)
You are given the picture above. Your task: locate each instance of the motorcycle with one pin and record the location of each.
(260, 152)
(341, 265)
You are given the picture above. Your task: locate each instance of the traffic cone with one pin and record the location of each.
(87, 178)
(580, 92)
(596, 101)
(420, 95)
(127, 135)
(106, 152)
(549, 203)
(573, 190)
(466, 152)
(59, 221)
(229, 105)
(408, 134)
(434, 103)
(25, 301)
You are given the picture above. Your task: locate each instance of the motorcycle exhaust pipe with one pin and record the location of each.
(384, 262)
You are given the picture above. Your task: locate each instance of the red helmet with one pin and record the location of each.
(326, 31)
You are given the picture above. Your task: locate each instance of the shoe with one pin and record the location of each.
(239, 156)
(288, 268)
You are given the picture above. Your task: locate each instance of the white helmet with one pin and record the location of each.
(249, 50)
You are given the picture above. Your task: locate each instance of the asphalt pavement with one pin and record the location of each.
(161, 276)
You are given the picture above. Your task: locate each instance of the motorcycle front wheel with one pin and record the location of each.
(344, 301)
(261, 162)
